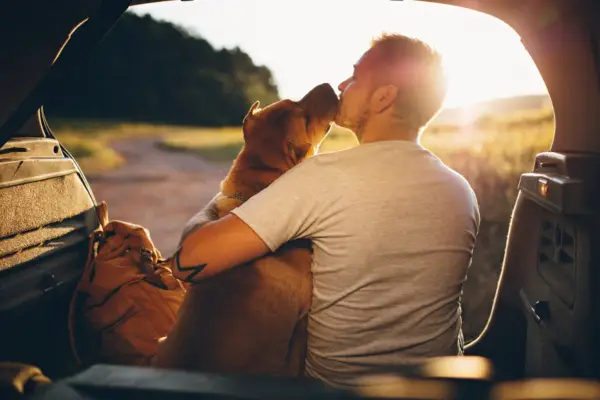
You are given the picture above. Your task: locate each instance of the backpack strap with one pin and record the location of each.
(87, 275)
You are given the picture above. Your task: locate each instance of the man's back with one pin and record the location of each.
(393, 231)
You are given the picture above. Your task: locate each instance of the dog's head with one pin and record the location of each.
(284, 133)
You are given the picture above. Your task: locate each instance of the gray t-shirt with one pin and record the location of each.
(393, 230)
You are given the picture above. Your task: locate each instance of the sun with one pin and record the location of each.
(484, 57)
(495, 66)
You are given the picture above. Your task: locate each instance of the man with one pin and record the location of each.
(392, 227)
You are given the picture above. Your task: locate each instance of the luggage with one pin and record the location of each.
(127, 298)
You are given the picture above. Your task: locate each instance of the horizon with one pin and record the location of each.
(483, 57)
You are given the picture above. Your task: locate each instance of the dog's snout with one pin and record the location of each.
(321, 102)
(332, 99)
(325, 86)
(326, 89)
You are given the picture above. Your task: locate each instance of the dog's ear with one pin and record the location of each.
(248, 118)
(297, 152)
(253, 110)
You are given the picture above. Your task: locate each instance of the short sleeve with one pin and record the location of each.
(287, 209)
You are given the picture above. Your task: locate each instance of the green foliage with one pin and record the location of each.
(151, 71)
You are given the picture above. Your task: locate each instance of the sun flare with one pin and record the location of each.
(310, 42)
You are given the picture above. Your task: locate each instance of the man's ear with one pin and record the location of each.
(246, 123)
(383, 97)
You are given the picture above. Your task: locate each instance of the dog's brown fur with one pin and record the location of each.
(253, 318)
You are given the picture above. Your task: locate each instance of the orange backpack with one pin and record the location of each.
(127, 298)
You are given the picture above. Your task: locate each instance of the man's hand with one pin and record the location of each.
(215, 247)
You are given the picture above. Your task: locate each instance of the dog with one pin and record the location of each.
(253, 318)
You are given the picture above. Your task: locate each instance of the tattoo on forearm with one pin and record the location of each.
(195, 270)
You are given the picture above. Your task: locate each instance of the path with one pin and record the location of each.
(157, 189)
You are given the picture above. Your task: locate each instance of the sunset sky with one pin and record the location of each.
(312, 41)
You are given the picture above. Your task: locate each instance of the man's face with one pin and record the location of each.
(355, 93)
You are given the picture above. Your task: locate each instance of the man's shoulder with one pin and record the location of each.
(319, 163)
(461, 182)
(314, 172)
(461, 189)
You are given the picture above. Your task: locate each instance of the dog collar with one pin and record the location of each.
(236, 196)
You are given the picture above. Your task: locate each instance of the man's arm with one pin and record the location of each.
(215, 247)
(288, 209)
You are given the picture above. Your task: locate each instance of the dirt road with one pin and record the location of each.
(157, 189)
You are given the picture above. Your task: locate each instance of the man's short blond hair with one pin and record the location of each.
(416, 69)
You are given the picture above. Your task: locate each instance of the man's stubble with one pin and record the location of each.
(357, 126)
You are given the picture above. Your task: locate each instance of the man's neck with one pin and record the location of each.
(374, 131)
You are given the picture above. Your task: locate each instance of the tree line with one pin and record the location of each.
(153, 71)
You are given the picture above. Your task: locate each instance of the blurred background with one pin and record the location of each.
(153, 116)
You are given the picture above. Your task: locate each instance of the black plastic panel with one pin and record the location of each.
(559, 292)
(572, 183)
(556, 256)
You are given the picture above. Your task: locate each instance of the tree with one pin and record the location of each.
(153, 71)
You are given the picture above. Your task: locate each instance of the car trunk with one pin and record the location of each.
(46, 205)
(544, 321)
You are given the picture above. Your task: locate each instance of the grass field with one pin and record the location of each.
(89, 141)
(491, 155)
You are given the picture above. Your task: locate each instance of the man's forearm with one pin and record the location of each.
(214, 247)
(204, 216)
(187, 274)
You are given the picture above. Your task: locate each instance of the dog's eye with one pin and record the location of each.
(307, 122)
